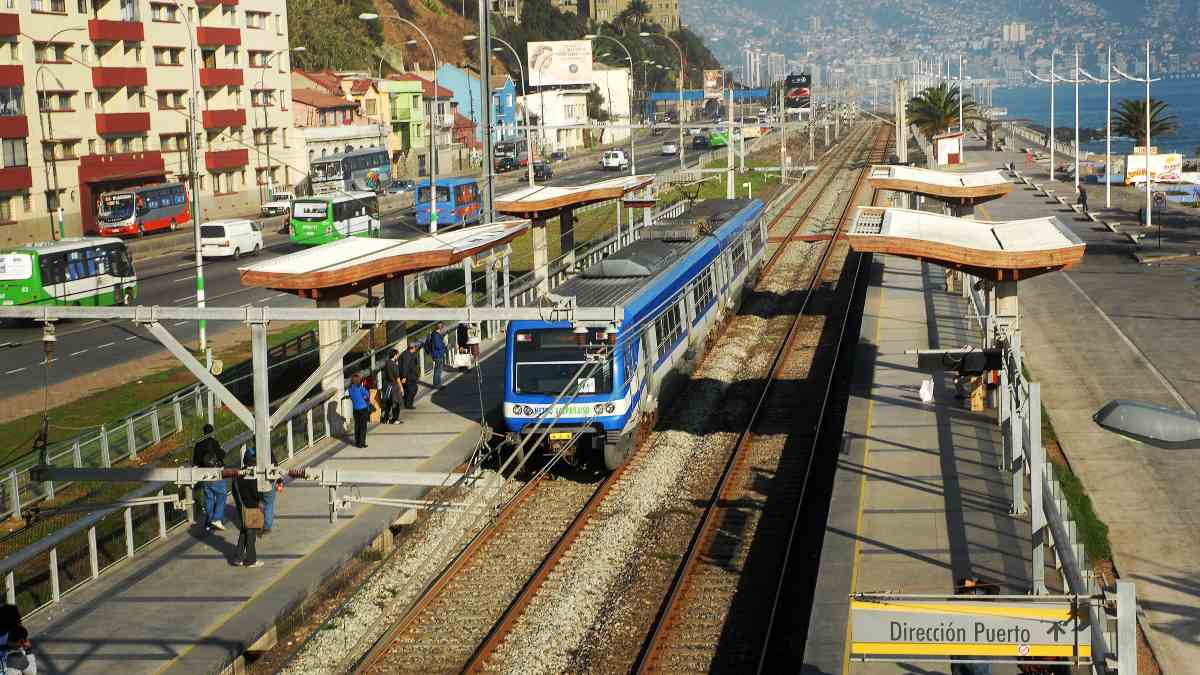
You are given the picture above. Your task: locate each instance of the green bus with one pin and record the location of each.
(89, 271)
(325, 218)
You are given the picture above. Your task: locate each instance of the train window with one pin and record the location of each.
(627, 361)
(703, 293)
(756, 237)
(738, 257)
(668, 328)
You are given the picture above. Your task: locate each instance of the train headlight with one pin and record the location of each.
(610, 408)
(599, 408)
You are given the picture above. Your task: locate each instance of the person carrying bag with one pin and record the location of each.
(249, 503)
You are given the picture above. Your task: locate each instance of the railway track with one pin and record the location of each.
(712, 618)
(467, 613)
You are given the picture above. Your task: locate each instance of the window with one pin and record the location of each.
(257, 19)
(129, 10)
(262, 97)
(55, 6)
(91, 146)
(6, 209)
(371, 106)
(163, 12)
(738, 257)
(168, 56)
(55, 101)
(756, 241)
(279, 24)
(258, 59)
(172, 99)
(83, 6)
(137, 99)
(14, 152)
(11, 101)
(231, 55)
(27, 203)
(85, 55)
(668, 328)
(702, 292)
(51, 52)
(53, 199)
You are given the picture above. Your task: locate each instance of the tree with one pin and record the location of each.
(1130, 119)
(595, 108)
(634, 15)
(308, 25)
(935, 110)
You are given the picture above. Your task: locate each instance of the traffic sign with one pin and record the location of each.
(1001, 628)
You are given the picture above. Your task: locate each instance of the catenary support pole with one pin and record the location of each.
(262, 404)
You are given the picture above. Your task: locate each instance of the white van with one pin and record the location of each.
(233, 237)
(614, 160)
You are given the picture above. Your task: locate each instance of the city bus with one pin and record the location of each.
(325, 218)
(142, 209)
(517, 148)
(366, 170)
(89, 271)
(459, 202)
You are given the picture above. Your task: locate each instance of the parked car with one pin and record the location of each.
(700, 141)
(614, 160)
(542, 171)
(230, 238)
(401, 186)
(558, 156)
(505, 164)
(279, 203)
(670, 149)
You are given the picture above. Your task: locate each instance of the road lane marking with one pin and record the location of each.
(187, 299)
(93, 322)
(14, 370)
(131, 337)
(180, 279)
(106, 344)
(178, 323)
(81, 351)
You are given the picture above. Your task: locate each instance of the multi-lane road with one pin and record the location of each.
(86, 347)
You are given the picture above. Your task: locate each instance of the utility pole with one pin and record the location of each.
(485, 90)
(729, 189)
(782, 137)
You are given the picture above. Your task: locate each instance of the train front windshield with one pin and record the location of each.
(547, 360)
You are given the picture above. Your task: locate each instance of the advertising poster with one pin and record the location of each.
(564, 62)
(797, 94)
(713, 79)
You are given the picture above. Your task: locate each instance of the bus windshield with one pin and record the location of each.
(548, 360)
(115, 208)
(310, 212)
(327, 170)
(443, 194)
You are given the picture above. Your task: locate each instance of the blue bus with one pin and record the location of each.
(673, 289)
(459, 202)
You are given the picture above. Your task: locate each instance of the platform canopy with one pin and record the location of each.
(952, 186)
(347, 265)
(1002, 251)
(544, 201)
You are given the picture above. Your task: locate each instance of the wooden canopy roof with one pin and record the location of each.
(348, 265)
(1013, 250)
(543, 201)
(953, 186)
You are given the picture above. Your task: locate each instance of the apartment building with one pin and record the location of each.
(665, 13)
(94, 96)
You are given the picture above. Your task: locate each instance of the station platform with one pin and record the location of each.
(1109, 328)
(179, 607)
(918, 501)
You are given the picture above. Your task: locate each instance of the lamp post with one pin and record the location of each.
(194, 180)
(1147, 80)
(632, 131)
(961, 127)
(48, 133)
(680, 87)
(1108, 82)
(1050, 80)
(521, 69)
(433, 214)
(267, 117)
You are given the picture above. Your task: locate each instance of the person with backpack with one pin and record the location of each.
(209, 454)
(18, 653)
(393, 389)
(249, 503)
(435, 345)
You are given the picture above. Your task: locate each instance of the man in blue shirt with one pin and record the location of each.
(435, 344)
(360, 400)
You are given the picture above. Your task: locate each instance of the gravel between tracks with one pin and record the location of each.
(372, 608)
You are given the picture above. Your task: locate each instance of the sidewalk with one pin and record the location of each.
(918, 501)
(181, 608)
(1113, 328)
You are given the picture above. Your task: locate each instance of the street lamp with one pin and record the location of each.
(1108, 82)
(267, 116)
(1051, 81)
(680, 86)
(524, 95)
(1147, 80)
(50, 130)
(1154, 425)
(433, 214)
(629, 103)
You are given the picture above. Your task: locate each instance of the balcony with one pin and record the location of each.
(10, 25)
(16, 179)
(12, 76)
(220, 119)
(115, 78)
(215, 160)
(101, 30)
(208, 36)
(122, 123)
(220, 77)
(14, 126)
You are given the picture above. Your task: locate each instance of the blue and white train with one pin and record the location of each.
(674, 285)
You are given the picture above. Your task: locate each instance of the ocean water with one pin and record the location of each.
(1182, 97)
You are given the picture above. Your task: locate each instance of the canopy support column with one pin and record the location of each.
(329, 338)
(566, 237)
(541, 259)
(395, 294)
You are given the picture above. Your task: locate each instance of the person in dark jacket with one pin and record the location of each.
(1083, 198)
(410, 372)
(209, 454)
(435, 344)
(246, 496)
(393, 389)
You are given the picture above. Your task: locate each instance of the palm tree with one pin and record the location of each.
(1130, 119)
(634, 14)
(935, 110)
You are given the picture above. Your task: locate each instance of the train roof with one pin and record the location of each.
(617, 279)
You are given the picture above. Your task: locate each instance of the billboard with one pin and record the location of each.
(714, 81)
(1164, 168)
(561, 62)
(797, 92)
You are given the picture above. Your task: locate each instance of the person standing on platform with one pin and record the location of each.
(393, 389)
(1082, 199)
(249, 503)
(209, 454)
(267, 498)
(360, 401)
(435, 345)
(410, 373)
